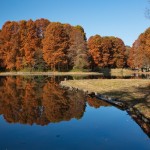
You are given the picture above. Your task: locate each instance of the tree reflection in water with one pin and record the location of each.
(38, 100)
(94, 102)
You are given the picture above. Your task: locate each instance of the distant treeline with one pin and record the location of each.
(42, 45)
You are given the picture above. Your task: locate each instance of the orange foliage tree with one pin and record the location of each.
(31, 45)
(139, 55)
(107, 51)
(55, 45)
(94, 46)
(118, 50)
(2, 66)
(20, 58)
(10, 44)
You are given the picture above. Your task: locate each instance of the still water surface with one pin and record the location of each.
(37, 114)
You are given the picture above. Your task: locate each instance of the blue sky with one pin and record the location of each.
(121, 18)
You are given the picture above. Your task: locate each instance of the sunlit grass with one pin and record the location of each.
(135, 92)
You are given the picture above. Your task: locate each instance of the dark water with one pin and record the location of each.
(37, 114)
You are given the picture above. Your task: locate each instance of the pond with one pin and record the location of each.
(35, 113)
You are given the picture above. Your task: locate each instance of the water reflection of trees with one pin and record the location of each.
(38, 100)
(96, 103)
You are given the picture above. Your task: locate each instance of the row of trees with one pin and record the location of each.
(43, 45)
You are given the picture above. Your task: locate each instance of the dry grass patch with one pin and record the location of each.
(136, 92)
(108, 86)
(48, 73)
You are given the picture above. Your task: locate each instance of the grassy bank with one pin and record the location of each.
(103, 71)
(47, 73)
(120, 72)
(133, 91)
(116, 72)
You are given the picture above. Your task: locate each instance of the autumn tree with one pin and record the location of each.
(4, 38)
(41, 25)
(31, 45)
(20, 58)
(107, 51)
(10, 44)
(127, 52)
(139, 55)
(145, 47)
(71, 52)
(55, 45)
(94, 46)
(132, 63)
(118, 50)
(1, 52)
(77, 52)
